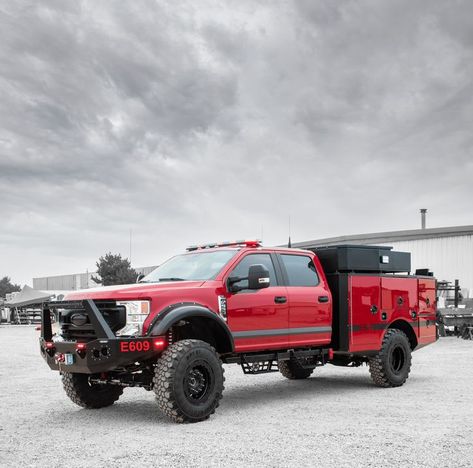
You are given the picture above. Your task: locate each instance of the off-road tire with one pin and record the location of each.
(292, 369)
(87, 395)
(391, 366)
(188, 381)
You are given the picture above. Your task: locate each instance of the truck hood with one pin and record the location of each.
(130, 291)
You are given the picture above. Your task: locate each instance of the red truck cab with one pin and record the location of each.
(294, 311)
(267, 309)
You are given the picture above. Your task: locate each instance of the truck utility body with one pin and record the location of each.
(267, 309)
(370, 294)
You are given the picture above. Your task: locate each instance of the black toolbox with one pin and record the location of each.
(363, 259)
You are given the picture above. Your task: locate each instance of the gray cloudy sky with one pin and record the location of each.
(200, 121)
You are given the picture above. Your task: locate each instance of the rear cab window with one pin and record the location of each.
(300, 270)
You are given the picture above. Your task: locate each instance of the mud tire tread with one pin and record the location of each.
(379, 369)
(79, 391)
(164, 381)
(293, 370)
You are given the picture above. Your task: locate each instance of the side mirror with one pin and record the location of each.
(139, 277)
(258, 277)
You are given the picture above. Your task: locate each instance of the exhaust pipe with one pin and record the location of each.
(423, 214)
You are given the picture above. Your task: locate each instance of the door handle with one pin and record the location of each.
(280, 299)
(323, 298)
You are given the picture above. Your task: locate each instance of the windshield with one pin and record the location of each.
(194, 266)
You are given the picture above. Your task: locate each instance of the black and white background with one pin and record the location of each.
(192, 122)
(198, 121)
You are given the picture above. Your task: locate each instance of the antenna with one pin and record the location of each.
(289, 245)
(131, 232)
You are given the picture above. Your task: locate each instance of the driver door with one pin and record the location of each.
(258, 319)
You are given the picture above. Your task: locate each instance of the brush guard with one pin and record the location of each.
(105, 352)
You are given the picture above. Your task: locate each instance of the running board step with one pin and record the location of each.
(259, 367)
(268, 362)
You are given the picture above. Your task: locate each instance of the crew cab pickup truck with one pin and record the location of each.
(267, 309)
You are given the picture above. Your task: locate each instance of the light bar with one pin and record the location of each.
(239, 243)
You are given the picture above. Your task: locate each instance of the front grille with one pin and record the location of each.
(75, 324)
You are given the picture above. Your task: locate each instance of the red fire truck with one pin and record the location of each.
(267, 309)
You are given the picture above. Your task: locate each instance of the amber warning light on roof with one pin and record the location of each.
(240, 243)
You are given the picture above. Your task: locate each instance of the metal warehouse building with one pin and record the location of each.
(448, 252)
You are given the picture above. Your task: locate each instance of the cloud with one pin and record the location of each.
(190, 123)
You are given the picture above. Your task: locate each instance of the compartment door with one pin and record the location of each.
(364, 312)
(427, 306)
(399, 299)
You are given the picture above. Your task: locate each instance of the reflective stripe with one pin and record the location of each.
(281, 331)
(385, 326)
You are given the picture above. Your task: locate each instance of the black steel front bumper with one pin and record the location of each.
(105, 353)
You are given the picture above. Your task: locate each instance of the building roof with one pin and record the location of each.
(392, 236)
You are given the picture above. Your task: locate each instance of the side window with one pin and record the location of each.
(254, 259)
(300, 270)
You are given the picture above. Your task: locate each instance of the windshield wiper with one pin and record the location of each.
(171, 279)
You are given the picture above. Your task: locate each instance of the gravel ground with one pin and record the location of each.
(336, 418)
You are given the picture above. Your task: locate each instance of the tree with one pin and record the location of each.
(6, 286)
(113, 269)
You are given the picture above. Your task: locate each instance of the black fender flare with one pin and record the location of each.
(177, 312)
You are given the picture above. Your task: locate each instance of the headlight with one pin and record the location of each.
(136, 313)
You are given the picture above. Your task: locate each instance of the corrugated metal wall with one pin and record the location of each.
(64, 282)
(449, 258)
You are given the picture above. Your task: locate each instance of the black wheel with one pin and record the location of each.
(391, 366)
(294, 370)
(188, 381)
(87, 394)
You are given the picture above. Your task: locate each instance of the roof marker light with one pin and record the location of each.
(239, 243)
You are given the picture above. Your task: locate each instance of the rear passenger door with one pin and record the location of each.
(309, 301)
